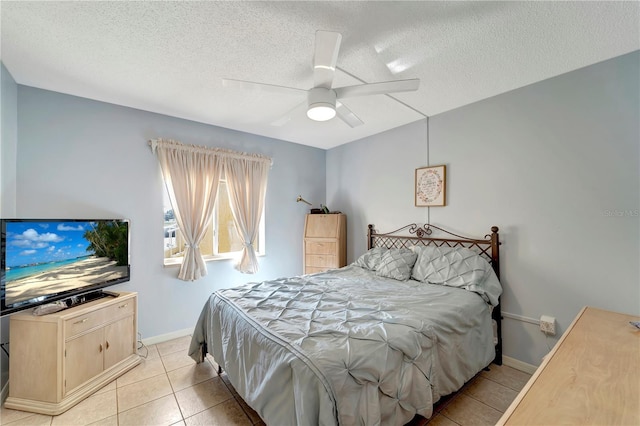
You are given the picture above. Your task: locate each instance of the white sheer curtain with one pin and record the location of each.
(247, 186)
(191, 175)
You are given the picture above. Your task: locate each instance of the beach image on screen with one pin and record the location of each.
(45, 258)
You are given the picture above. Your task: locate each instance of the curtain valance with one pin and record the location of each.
(222, 152)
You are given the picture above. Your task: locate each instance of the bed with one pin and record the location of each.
(375, 342)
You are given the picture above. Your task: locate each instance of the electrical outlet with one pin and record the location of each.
(548, 325)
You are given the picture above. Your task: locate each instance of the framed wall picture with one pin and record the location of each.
(431, 185)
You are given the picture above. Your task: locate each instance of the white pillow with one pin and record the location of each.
(457, 267)
(370, 259)
(397, 264)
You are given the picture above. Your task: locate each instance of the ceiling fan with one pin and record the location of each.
(323, 100)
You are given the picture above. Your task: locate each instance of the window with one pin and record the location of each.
(221, 240)
(191, 174)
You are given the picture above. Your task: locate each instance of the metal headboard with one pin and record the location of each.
(415, 235)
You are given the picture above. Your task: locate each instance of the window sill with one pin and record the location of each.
(177, 261)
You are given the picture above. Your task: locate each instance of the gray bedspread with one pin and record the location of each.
(345, 346)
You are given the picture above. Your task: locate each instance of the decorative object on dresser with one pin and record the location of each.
(325, 242)
(431, 186)
(591, 377)
(59, 359)
(322, 210)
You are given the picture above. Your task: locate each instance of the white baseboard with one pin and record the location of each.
(519, 365)
(169, 336)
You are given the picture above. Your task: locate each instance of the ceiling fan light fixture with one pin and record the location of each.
(321, 111)
(322, 104)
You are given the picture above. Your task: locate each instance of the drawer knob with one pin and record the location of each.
(100, 349)
(81, 321)
(123, 306)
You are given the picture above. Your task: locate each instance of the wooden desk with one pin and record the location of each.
(591, 377)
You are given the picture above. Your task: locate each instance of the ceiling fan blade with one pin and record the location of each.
(270, 88)
(347, 115)
(377, 88)
(326, 56)
(289, 115)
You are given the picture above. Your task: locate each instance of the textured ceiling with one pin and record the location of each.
(171, 57)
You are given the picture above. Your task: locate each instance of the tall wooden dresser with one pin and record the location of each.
(325, 242)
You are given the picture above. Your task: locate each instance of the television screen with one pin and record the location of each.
(47, 260)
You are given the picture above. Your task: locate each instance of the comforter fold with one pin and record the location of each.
(344, 346)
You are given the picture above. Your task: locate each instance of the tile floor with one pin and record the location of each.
(168, 388)
(481, 401)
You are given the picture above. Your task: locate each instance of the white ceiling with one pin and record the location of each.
(170, 57)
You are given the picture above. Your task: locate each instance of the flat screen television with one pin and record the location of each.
(46, 260)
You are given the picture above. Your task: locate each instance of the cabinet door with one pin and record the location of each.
(35, 360)
(119, 341)
(83, 359)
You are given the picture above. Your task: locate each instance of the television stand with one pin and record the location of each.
(59, 359)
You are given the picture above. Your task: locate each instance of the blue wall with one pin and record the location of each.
(371, 180)
(79, 158)
(555, 165)
(8, 147)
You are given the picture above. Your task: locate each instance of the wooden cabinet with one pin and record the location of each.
(325, 242)
(59, 359)
(591, 377)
